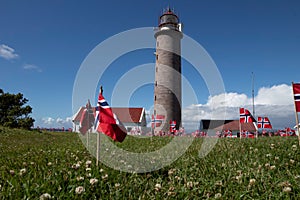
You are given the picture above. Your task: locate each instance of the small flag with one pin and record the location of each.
(157, 120)
(263, 122)
(245, 116)
(296, 90)
(172, 126)
(87, 119)
(108, 122)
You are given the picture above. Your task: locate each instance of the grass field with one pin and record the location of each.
(45, 165)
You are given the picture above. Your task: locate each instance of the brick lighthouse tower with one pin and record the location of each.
(167, 86)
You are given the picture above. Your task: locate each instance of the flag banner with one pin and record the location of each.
(247, 134)
(108, 122)
(87, 119)
(157, 120)
(172, 126)
(290, 132)
(296, 90)
(228, 133)
(245, 116)
(263, 122)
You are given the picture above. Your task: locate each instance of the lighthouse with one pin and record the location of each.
(167, 86)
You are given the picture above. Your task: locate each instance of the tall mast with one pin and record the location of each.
(253, 108)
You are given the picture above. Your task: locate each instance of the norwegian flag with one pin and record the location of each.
(290, 132)
(245, 116)
(172, 126)
(247, 134)
(228, 133)
(157, 120)
(296, 90)
(263, 122)
(107, 121)
(87, 119)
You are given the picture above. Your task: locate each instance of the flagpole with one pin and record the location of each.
(98, 135)
(88, 122)
(253, 108)
(97, 153)
(296, 114)
(240, 126)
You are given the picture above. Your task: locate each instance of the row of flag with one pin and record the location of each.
(157, 121)
(103, 120)
(262, 122)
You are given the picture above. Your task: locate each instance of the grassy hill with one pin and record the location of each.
(37, 165)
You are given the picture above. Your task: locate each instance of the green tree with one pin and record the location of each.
(13, 112)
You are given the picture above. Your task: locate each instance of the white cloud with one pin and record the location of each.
(275, 95)
(49, 122)
(7, 52)
(276, 102)
(32, 67)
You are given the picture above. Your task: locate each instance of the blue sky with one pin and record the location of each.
(43, 44)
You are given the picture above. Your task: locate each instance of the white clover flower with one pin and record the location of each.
(45, 196)
(294, 147)
(22, 171)
(189, 184)
(267, 165)
(287, 189)
(104, 177)
(93, 181)
(12, 172)
(88, 163)
(101, 170)
(80, 178)
(218, 195)
(218, 183)
(239, 177)
(79, 190)
(272, 167)
(171, 171)
(157, 187)
(49, 163)
(292, 161)
(117, 185)
(88, 169)
(252, 181)
(76, 166)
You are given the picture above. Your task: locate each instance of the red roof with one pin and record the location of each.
(129, 115)
(234, 126)
(125, 115)
(78, 115)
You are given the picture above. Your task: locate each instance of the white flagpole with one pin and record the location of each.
(240, 126)
(98, 144)
(253, 108)
(98, 134)
(296, 114)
